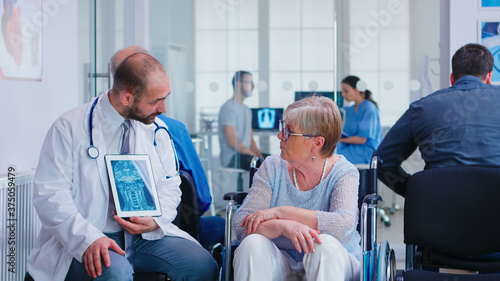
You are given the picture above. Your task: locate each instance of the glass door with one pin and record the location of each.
(105, 27)
(289, 46)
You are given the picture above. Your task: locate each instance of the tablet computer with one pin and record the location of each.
(133, 186)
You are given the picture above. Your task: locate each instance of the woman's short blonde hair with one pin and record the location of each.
(317, 116)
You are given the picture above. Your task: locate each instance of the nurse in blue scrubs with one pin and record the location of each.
(362, 132)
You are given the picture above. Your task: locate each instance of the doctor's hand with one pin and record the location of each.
(92, 256)
(137, 225)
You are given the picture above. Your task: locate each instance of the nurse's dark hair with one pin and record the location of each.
(317, 116)
(472, 59)
(134, 72)
(353, 81)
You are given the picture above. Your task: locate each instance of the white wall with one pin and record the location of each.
(379, 52)
(28, 108)
(424, 47)
(463, 28)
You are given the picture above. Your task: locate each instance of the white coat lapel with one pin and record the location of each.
(98, 136)
(143, 138)
(144, 145)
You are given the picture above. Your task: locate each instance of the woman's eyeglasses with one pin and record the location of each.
(287, 134)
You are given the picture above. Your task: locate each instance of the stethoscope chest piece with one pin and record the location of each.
(93, 152)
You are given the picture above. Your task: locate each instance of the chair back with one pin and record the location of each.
(188, 211)
(367, 179)
(367, 223)
(454, 210)
(367, 183)
(254, 167)
(368, 189)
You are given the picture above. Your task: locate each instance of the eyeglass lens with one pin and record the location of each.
(286, 133)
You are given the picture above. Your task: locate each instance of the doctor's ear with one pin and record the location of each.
(126, 98)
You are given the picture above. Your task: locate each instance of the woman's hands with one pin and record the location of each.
(251, 221)
(269, 223)
(302, 236)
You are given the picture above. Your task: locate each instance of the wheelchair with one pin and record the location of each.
(234, 199)
(451, 222)
(378, 261)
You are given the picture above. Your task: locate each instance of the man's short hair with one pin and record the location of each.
(472, 59)
(134, 72)
(238, 75)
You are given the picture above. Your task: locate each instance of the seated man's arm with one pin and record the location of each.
(189, 160)
(169, 193)
(395, 148)
(234, 142)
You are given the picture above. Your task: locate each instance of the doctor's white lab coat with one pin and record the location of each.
(71, 190)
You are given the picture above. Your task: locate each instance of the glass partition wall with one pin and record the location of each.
(288, 45)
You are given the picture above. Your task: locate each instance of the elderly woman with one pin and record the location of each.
(299, 219)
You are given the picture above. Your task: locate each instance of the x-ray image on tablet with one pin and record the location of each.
(132, 185)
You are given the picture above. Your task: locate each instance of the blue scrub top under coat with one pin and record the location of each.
(365, 123)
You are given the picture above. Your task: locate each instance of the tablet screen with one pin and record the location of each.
(133, 186)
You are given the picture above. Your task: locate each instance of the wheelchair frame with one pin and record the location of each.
(377, 262)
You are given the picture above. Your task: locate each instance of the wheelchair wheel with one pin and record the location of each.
(386, 263)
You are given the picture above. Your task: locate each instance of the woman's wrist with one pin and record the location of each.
(281, 212)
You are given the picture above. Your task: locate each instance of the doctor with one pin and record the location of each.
(81, 238)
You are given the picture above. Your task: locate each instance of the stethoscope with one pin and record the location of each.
(93, 152)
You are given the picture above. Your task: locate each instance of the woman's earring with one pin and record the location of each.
(314, 158)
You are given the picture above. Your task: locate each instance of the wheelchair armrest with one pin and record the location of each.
(372, 199)
(238, 197)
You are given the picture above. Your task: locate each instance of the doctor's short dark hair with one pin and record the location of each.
(134, 72)
(472, 59)
(317, 116)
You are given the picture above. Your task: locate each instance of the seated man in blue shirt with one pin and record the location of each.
(454, 126)
(212, 227)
